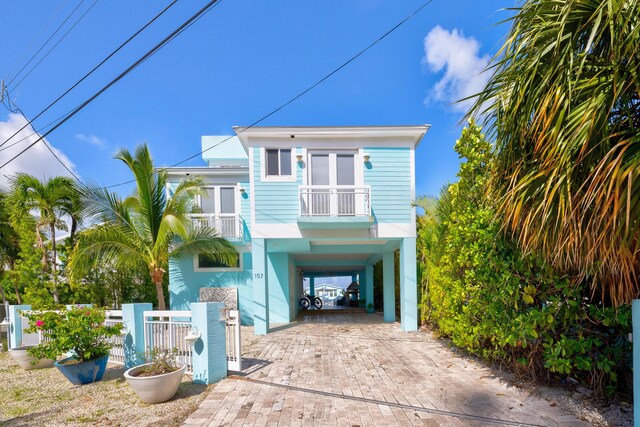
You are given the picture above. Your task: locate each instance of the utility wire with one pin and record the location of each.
(261, 119)
(122, 45)
(296, 97)
(54, 46)
(33, 42)
(46, 42)
(146, 56)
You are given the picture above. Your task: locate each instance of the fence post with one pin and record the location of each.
(210, 350)
(15, 325)
(133, 320)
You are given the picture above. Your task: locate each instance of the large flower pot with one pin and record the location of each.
(26, 361)
(155, 389)
(79, 373)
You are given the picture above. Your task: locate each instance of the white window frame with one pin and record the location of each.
(278, 178)
(220, 269)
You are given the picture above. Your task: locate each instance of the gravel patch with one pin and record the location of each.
(45, 397)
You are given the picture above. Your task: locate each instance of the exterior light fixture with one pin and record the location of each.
(242, 190)
(193, 336)
(367, 157)
(299, 157)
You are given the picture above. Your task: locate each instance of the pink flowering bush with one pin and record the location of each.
(80, 330)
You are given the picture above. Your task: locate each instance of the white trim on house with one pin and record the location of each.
(292, 231)
(252, 200)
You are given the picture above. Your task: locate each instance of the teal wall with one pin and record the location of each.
(245, 209)
(389, 175)
(185, 284)
(278, 277)
(275, 202)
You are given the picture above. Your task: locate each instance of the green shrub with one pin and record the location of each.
(79, 330)
(506, 306)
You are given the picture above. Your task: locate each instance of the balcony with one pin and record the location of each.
(229, 226)
(342, 206)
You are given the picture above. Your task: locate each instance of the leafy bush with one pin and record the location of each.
(503, 305)
(79, 330)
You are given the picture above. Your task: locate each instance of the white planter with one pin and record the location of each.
(25, 360)
(156, 389)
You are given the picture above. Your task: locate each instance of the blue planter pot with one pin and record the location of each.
(83, 372)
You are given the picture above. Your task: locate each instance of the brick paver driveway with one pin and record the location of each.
(351, 369)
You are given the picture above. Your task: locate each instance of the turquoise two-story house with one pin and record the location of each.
(303, 202)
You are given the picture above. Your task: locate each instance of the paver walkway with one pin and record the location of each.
(348, 369)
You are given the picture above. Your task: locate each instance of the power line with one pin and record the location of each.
(296, 97)
(46, 42)
(44, 28)
(146, 56)
(122, 45)
(54, 46)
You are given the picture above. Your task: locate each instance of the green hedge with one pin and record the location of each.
(480, 290)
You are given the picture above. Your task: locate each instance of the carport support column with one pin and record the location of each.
(368, 272)
(362, 283)
(312, 286)
(408, 285)
(260, 287)
(388, 287)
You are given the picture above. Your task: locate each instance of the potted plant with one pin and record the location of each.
(81, 334)
(370, 308)
(156, 381)
(26, 361)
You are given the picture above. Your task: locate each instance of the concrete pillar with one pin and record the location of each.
(635, 325)
(362, 281)
(15, 325)
(312, 286)
(210, 350)
(134, 345)
(368, 272)
(408, 285)
(279, 298)
(388, 287)
(260, 287)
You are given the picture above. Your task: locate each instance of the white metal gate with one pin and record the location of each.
(234, 351)
(167, 329)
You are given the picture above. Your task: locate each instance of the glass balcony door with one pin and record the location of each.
(218, 208)
(332, 178)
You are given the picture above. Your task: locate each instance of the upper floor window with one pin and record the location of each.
(278, 162)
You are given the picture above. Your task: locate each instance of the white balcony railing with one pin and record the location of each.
(228, 225)
(341, 200)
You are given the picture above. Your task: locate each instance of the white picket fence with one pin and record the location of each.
(116, 354)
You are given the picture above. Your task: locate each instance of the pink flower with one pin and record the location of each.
(87, 313)
(39, 323)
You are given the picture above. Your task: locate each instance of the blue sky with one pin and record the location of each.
(240, 61)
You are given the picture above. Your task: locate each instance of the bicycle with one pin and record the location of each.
(307, 300)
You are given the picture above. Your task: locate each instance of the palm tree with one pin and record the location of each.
(9, 246)
(53, 200)
(564, 99)
(147, 227)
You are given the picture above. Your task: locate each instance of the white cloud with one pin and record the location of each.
(38, 161)
(459, 57)
(91, 139)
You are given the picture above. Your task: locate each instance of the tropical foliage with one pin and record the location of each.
(502, 304)
(145, 228)
(564, 106)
